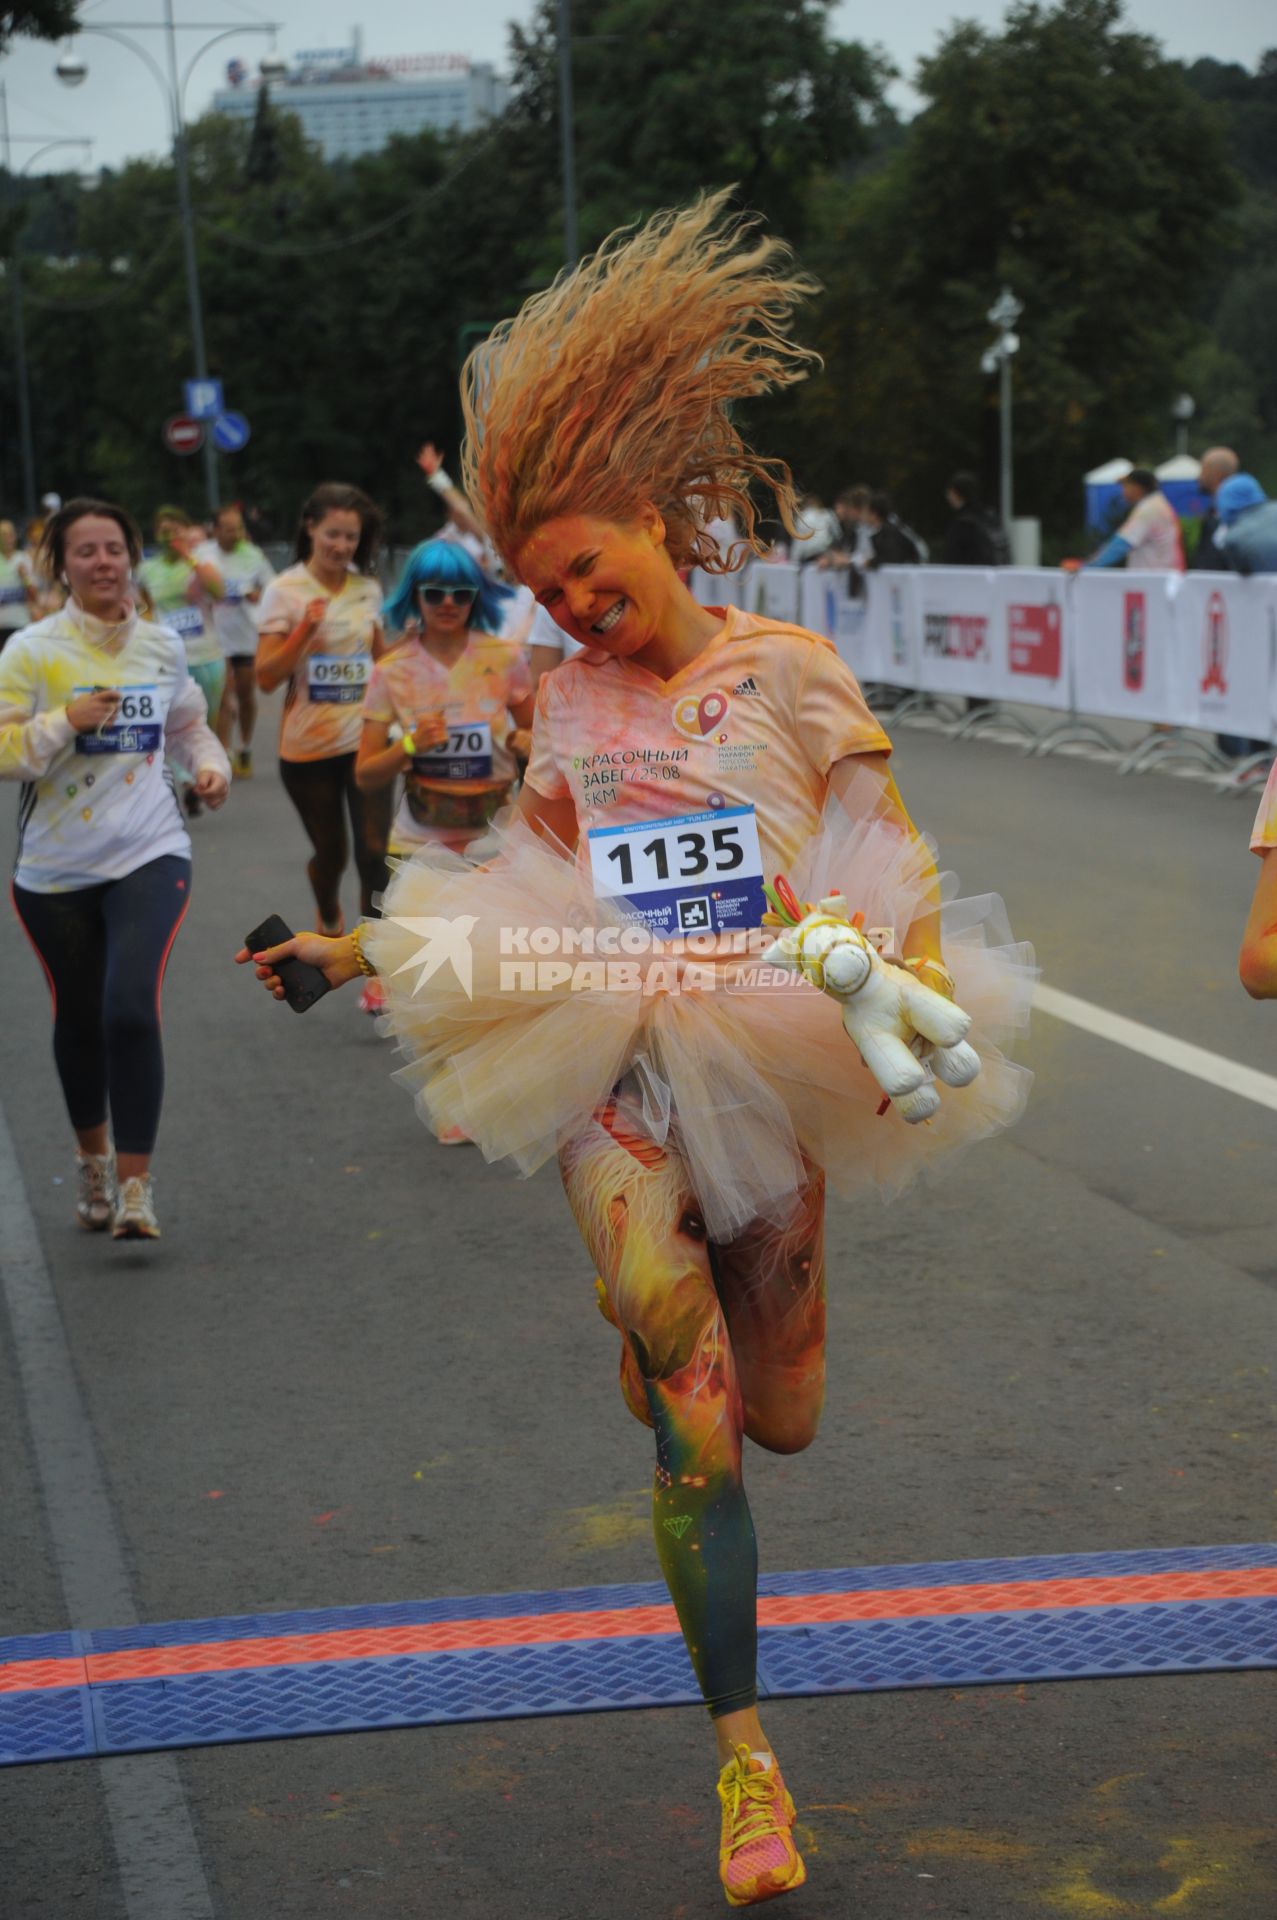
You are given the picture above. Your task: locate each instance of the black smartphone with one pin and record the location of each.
(303, 984)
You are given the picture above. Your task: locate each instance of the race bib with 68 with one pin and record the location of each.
(698, 873)
(138, 725)
(338, 678)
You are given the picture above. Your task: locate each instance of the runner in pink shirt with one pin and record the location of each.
(1258, 963)
(457, 697)
(680, 763)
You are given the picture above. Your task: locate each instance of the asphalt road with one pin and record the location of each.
(360, 1368)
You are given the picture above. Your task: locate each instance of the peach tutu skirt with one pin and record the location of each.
(508, 991)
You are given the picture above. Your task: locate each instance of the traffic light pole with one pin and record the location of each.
(199, 352)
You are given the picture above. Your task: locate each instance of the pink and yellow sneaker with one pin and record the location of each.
(757, 1858)
(372, 996)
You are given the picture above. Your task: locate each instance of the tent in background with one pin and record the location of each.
(1106, 509)
(1178, 480)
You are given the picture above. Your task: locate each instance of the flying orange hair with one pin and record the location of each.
(614, 387)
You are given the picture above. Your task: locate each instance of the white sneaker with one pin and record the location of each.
(135, 1210)
(98, 1193)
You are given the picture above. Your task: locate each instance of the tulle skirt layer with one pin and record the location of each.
(510, 990)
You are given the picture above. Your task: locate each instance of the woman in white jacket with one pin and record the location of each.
(92, 699)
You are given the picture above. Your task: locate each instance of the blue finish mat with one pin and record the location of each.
(500, 1656)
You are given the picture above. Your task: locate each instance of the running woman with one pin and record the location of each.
(244, 573)
(183, 591)
(683, 758)
(15, 610)
(43, 594)
(91, 700)
(321, 632)
(1258, 960)
(459, 700)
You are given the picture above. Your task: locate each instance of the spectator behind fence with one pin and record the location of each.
(1218, 465)
(892, 543)
(818, 530)
(1148, 538)
(975, 537)
(851, 548)
(1247, 540)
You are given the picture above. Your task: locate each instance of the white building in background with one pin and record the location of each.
(348, 105)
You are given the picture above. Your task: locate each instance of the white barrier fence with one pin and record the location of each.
(1180, 650)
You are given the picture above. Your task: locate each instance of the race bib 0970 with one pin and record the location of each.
(697, 873)
(465, 755)
(340, 679)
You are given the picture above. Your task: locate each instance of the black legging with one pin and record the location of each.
(104, 950)
(323, 792)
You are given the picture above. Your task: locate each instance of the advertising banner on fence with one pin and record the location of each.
(715, 589)
(1124, 648)
(893, 630)
(1264, 588)
(771, 588)
(1032, 636)
(1224, 648)
(955, 607)
(826, 606)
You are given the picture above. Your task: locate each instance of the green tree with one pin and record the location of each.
(676, 96)
(1066, 157)
(38, 20)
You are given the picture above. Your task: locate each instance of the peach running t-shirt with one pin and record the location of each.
(757, 719)
(1263, 836)
(326, 689)
(475, 696)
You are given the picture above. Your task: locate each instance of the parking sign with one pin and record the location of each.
(204, 399)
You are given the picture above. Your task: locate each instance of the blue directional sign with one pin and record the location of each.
(204, 399)
(229, 432)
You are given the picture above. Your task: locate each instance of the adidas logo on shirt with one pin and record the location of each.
(749, 686)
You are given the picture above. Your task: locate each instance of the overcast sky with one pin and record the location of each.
(121, 108)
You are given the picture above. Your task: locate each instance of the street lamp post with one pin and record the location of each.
(72, 71)
(567, 141)
(1183, 407)
(25, 438)
(1003, 314)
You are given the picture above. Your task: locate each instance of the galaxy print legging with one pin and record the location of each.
(718, 1341)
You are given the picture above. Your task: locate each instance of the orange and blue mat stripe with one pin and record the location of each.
(273, 1676)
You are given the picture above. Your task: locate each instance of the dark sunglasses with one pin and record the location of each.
(460, 596)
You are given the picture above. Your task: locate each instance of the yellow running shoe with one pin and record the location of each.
(757, 1858)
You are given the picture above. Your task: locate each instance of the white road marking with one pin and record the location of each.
(1214, 1068)
(161, 1870)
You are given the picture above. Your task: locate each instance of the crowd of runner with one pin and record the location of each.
(695, 1134)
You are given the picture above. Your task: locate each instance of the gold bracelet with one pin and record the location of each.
(362, 961)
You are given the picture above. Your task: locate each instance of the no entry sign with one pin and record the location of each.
(182, 434)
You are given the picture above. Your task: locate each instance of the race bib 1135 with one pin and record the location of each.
(697, 873)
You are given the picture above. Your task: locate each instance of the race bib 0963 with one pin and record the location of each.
(698, 873)
(338, 678)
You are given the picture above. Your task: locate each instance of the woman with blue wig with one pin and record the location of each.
(458, 697)
(457, 700)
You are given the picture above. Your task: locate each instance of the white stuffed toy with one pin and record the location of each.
(908, 1035)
